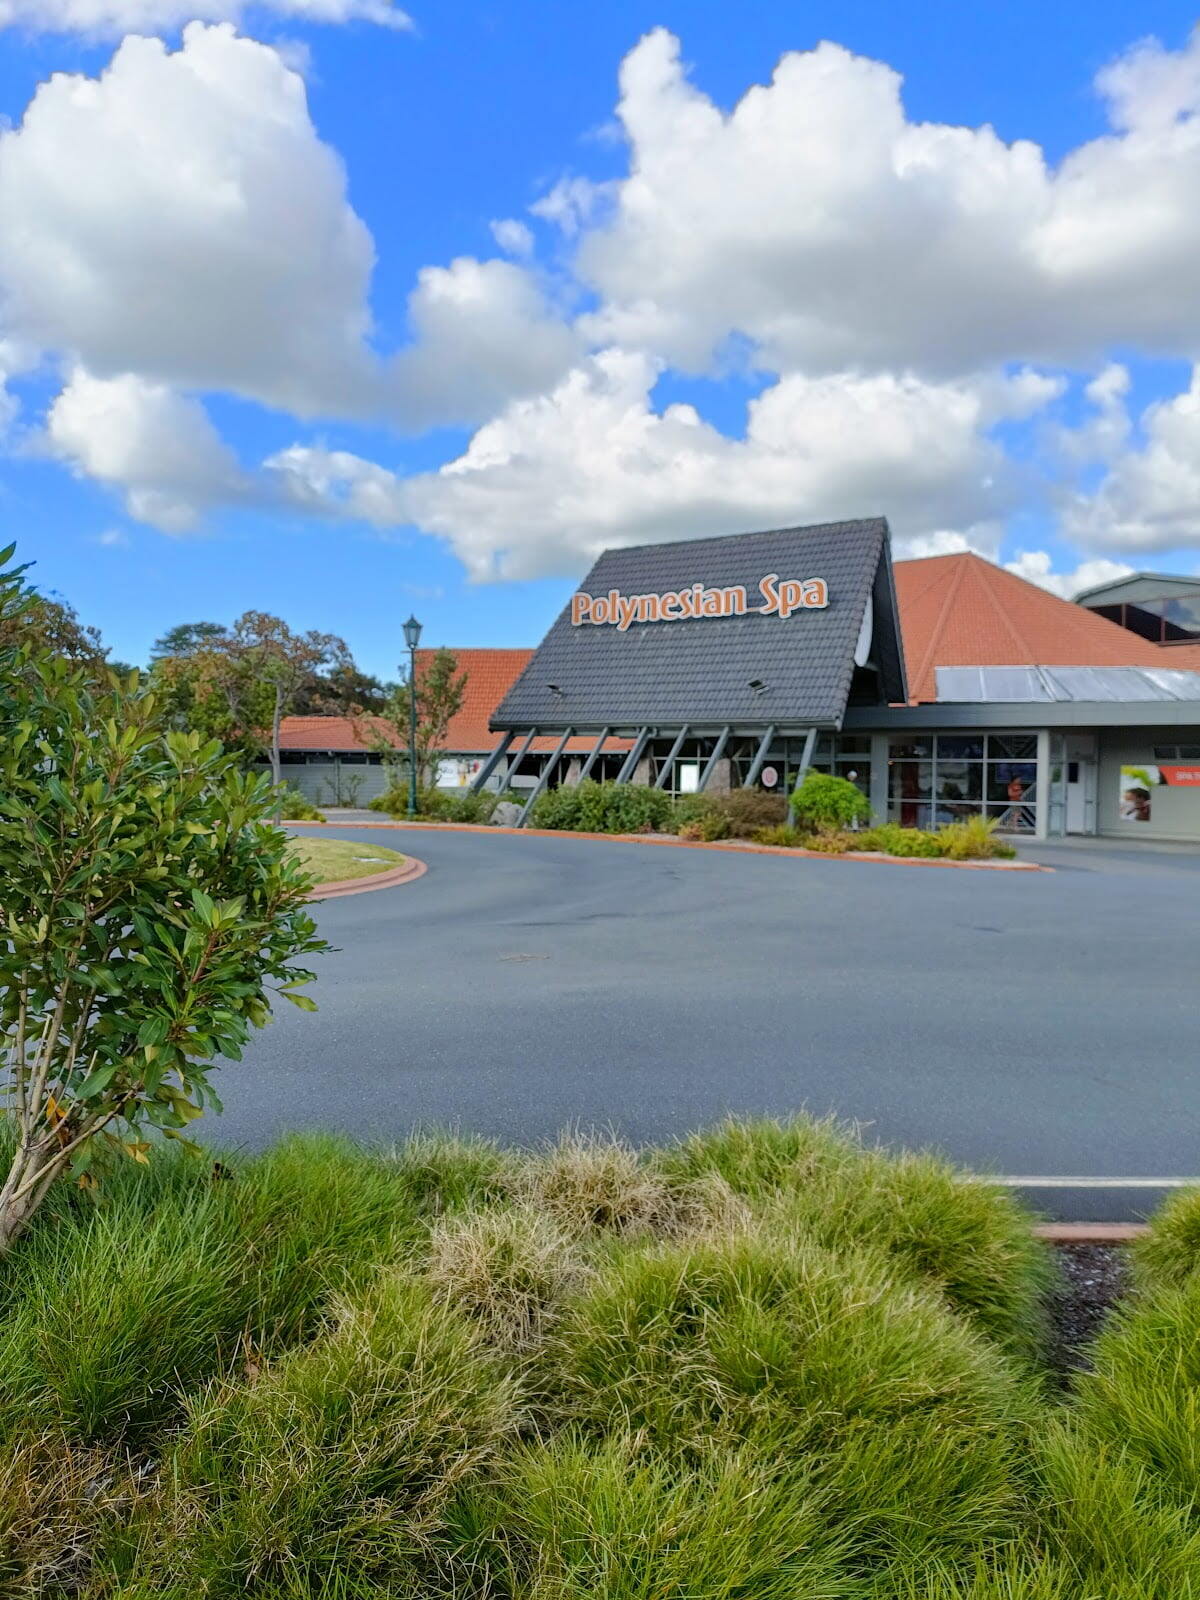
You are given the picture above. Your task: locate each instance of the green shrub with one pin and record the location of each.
(824, 804)
(814, 1180)
(694, 811)
(779, 835)
(745, 810)
(295, 806)
(835, 843)
(569, 1521)
(908, 1421)
(892, 840)
(341, 1456)
(974, 839)
(591, 807)
(442, 805)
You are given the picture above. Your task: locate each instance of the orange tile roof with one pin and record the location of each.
(963, 611)
(490, 675)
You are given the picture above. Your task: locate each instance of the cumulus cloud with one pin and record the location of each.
(180, 218)
(513, 237)
(816, 220)
(550, 482)
(149, 16)
(1038, 567)
(155, 446)
(1149, 499)
(483, 332)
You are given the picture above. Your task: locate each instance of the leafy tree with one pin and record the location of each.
(439, 692)
(342, 691)
(237, 684)
(52, 625)
(186, 639)
(149, 908)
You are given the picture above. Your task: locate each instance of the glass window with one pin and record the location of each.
(1165, 752)
(1021, 746)
(1145, 619)
(1182, 618)
(960, 746)
(854, 744)
(1189, 752)
(906, 748)
(1010, 780)
(959, 780)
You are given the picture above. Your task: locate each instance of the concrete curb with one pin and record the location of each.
(730, 846)
(342, 887)
(1091, 1232)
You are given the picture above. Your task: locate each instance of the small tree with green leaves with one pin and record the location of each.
(148, 907)
(440, 688)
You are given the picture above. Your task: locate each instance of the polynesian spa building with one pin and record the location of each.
(942, 687)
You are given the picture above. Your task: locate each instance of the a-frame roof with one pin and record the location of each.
(746, 669)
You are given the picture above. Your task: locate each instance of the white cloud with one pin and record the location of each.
(154, 445)
(550, 482)
(94, 17)
(1149, 499)
(1038, 567)
(483, 333)
(513, 237)
(820, 223)
(178, 217)
(112, 539)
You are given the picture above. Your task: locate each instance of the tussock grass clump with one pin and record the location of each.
(116, 1309)
(814, 1179)
(571, 1520)
(1142, 1397)
(56, 1499)
(1170, 1253)
(591, 1182)
(905, 1417)
(339, 1458)
(509, 1270)
(442, 1172)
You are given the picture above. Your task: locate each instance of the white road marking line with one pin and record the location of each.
(1092, 1183)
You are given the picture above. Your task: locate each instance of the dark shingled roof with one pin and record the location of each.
(700, 670)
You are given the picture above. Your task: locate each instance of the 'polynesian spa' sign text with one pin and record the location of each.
(780, 597)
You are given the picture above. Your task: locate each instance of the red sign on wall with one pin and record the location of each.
(1181, 777)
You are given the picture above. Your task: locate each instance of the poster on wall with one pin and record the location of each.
(1139, 783)
(1137, 788)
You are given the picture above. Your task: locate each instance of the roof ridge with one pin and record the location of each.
(952, 588)
(747, 533)
(995, 590)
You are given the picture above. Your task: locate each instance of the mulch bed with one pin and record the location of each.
(1094, 1278)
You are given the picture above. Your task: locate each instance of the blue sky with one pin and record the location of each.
(144, 468)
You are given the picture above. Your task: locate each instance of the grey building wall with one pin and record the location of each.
(1174, 812)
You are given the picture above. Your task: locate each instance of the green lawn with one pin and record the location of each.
(334, 860)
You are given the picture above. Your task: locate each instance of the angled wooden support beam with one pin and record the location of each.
(711, 764)
(629, 767)
(760, 757)
(543, 778)
(665, 775)
(592, 754)
(810, 742)
(492, 762)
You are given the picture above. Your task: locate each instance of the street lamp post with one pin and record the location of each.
(412, 638)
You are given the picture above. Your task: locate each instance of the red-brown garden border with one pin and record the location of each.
(733, 845)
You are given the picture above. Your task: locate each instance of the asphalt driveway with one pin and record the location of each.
(1030, 1023)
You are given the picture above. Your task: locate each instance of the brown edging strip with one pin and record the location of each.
(341, 887)
(1091, 1232)
(734, 846)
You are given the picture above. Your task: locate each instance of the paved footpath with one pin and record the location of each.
(1040, 1024)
